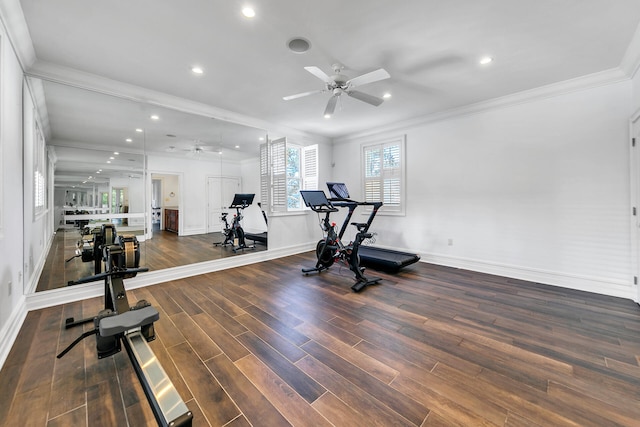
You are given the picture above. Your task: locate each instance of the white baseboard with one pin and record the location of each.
(35, 277)
(596, 285)
(11, 328)
(192, 231)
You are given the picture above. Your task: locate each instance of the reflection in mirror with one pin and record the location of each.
(196, 165)
(166, 176)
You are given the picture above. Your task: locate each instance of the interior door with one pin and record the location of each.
(220, 191)
(635, 202)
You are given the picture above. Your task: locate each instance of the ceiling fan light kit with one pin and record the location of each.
(339, 84)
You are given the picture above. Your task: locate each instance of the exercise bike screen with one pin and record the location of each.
(338, 190)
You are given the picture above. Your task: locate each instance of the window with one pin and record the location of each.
(383, 166)
(39, 187)
(285, 169)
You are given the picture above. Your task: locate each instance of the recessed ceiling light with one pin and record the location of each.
(327, 116)
(248, 12)
(108, 161)
(115, 153)
(139, 130)
(197, 70)
(486, 60)
(386, 95)
(155, 117)
(261, 138)
(298, 45)
(111, 158)
(237, 146)
(129, 140)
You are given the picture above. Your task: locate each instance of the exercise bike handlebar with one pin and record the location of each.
(323, 208)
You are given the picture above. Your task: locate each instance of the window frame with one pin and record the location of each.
(398, 172)
(274, 179)
(39, 171)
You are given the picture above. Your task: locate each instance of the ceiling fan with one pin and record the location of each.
(196, 150)
(338, 84)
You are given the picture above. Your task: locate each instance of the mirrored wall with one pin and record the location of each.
(165, 176)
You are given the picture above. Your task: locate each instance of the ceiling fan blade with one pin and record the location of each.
(300, 95)
(374, 76)
(319, 74)
(365, 97)
(331, 106)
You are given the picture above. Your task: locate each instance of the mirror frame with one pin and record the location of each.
(170, 103)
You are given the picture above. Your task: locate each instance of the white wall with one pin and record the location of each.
(193, 186)
(253, 222)
(538, 190)
(12, 310)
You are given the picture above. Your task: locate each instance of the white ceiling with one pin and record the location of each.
(431, 48)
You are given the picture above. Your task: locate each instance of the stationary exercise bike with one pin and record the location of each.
(120, 324)
(331, 248)
(234, 234)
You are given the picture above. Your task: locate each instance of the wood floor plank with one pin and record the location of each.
(517, 398)
(443, 391)
(216, 405)
(76, 417)
(446, 408)
(372, 366)
(291, 334)
(30, 407)
(308, 388)
(201, 343)
(223, 339)
(293, 407)
(428, 346)
(253, 404)
(286, 348)
(596, 412)
(402, 404)
(363, 403)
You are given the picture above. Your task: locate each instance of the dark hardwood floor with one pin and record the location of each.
(164, 250)
(264, 345)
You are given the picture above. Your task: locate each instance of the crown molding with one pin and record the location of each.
(590, 81)
(69, 76)
(15, 26)
(631, 60)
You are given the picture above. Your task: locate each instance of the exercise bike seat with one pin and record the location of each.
(113, 325)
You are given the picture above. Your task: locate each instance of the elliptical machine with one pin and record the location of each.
(331, 248)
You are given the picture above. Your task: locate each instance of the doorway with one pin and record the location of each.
(156, 204)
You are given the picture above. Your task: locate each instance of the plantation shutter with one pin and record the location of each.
(310, 167)
(383, 174)
(265, 177)
(391, 176)
(372, 174)
(279, 175)
(39, 187)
